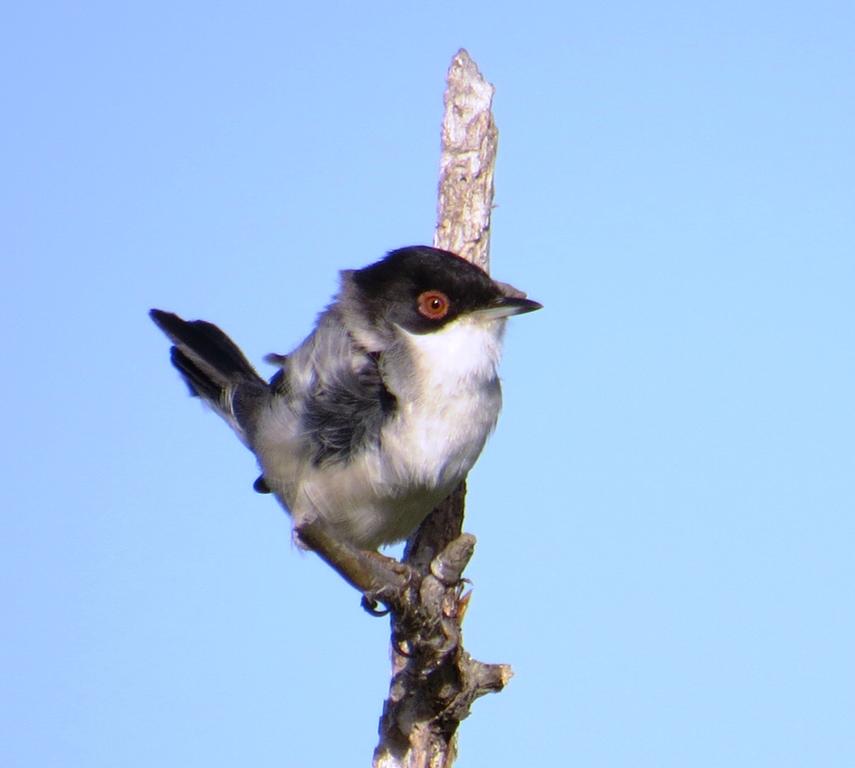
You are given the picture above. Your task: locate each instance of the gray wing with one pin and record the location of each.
(345, 412)
(331, 392)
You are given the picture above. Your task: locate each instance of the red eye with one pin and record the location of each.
(434, 305)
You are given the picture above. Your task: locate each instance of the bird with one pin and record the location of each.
(383, 409)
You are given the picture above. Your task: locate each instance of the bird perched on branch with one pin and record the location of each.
(386, 405)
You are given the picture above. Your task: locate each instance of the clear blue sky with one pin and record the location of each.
(665, 516)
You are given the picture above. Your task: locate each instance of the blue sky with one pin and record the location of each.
(665, 514)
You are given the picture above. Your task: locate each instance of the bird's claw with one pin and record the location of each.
(369, 605)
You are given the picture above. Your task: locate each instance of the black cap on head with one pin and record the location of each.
(422, 289)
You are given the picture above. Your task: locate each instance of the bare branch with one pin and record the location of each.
(434, 681)
(469, 143)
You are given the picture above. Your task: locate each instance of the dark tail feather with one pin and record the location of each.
(214, 368)
(205, 342)
(198, 381)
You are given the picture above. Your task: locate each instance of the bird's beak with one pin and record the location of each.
(505, 306)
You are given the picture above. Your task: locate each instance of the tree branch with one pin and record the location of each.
(434, 681)
(469, 144)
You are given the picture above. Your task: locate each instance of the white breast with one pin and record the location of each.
(447, 402)
(449, 405)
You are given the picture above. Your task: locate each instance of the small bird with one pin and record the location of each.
(383, 409)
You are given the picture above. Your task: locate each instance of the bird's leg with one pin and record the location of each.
(378, 577)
